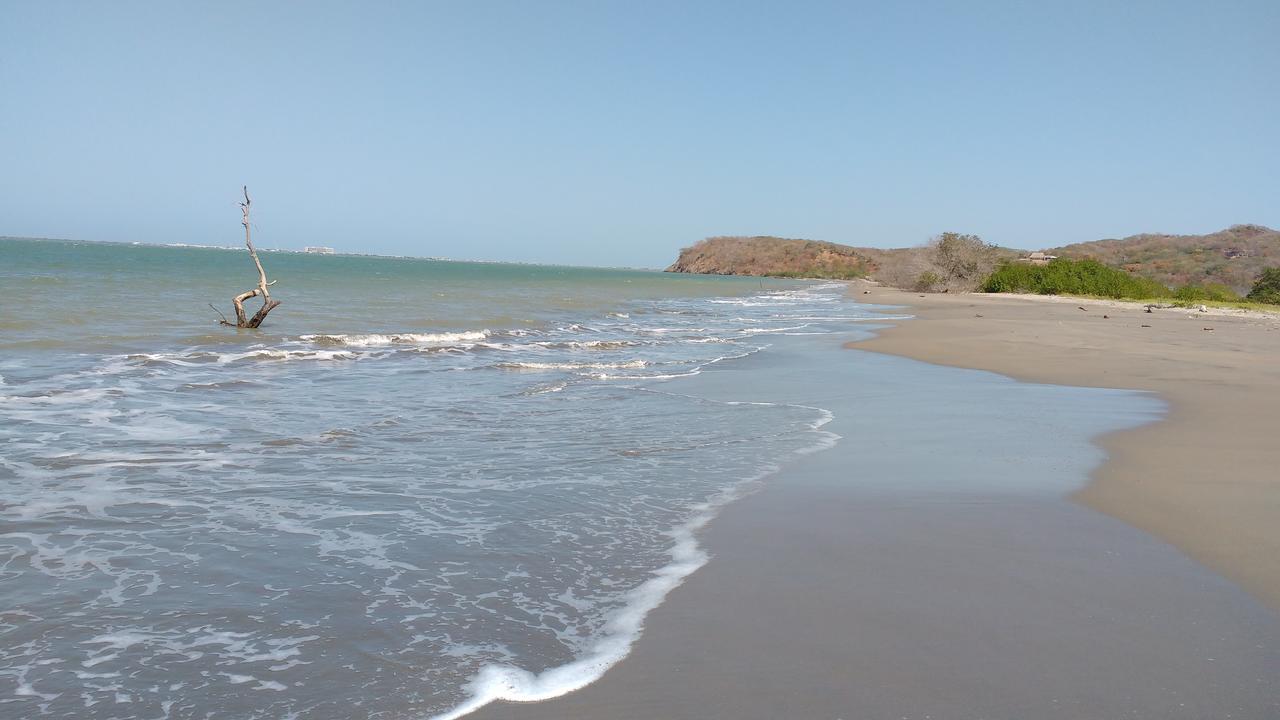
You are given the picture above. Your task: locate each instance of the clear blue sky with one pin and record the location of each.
(613, 133)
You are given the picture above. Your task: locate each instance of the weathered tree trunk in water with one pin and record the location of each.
(267, 303)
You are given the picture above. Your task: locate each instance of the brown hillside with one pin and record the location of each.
(962, 269)
(778, 257)
(1233, 257)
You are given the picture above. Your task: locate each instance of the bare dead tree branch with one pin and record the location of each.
(267, 303)
(224, 320)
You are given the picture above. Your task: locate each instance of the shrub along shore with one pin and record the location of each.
(1092, 278)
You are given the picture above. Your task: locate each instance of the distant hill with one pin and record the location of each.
(1233, 257)
(773, 256)
(917, 267)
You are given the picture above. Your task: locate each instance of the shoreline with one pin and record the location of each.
(1203, 478)
(938, 572)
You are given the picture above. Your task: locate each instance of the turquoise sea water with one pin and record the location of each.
(420, 485)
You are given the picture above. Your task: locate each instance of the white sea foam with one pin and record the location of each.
(573, 365)
(843, 319)
(549, 388)
(383, 340)
(283, 354)
(665, 330)
(506, 682)
(766, 331)
(270, 685)
(826, 438)
(739, 356)
(665, 376)
(589, 344)
(197, 359)
(709, 339)
(58, 397)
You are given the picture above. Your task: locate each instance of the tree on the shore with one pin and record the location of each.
(1267, 287)
(963, 258)
(268, 304)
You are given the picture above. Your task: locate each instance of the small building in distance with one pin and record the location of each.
(1038, 258)
(318, 250)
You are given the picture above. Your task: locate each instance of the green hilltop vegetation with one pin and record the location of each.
(1218, 268)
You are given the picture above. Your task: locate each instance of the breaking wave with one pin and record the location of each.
(383, 340)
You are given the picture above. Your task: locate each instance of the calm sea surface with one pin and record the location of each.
(422, 484)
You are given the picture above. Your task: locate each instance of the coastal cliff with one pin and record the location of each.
(773, 256)
(949, 262)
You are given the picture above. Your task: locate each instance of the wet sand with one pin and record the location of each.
(945, 574)
(1206, 479)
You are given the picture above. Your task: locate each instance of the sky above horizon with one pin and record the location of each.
(615, 133)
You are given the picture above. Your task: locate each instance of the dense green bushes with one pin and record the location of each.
(1072, 277)
(1090, 277)
(1209, 292)
(1267, 288)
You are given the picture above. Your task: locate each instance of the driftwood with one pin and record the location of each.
(267, 303)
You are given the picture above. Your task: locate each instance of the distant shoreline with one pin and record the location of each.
(336, 253)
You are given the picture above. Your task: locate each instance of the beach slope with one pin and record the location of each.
(930, 564)
(1207, 478)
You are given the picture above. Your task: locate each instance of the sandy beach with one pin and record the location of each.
(1207, 478)
(905, 577)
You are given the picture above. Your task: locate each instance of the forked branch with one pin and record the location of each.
(267, 303)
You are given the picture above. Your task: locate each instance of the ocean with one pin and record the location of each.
(421, 485)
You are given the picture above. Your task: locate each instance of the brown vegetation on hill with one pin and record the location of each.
(949, 262)
(772, 256)
(1234, 257)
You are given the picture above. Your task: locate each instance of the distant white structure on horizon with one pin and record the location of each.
(1038, 258)
(318, 250)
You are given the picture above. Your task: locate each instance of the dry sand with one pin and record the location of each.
(1207, 479)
